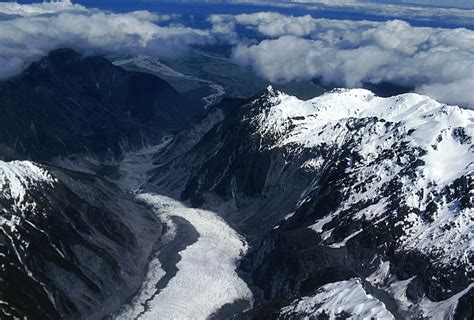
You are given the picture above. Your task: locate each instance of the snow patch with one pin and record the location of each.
(447, 160)
(379, 277)
(398, 290)
(318, 226)
(335, 298)
(442, 310)
(344, 242)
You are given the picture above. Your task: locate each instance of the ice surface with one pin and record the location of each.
(206, 278)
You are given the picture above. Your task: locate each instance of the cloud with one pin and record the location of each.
(433, 3)
(267, 23)
(28, 32)
(396, 9)
(14, 8)
(434, 61)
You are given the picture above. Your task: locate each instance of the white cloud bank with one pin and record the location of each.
(434, 61)
(29, 31)
(437, 62)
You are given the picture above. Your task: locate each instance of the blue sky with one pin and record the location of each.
(449, 3)
(437, 3)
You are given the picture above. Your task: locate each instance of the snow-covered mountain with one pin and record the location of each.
(344, 187)
(408, 157)
(344, 205)
(69, 245)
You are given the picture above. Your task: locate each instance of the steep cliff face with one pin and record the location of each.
(71, 244)
(67, 104)
(344, 186)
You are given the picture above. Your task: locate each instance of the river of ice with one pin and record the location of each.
(206, 278)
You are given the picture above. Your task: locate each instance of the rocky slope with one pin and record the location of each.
(67, 104)
(71, 244)
(344, 186)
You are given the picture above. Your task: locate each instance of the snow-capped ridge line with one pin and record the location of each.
(360, 102)
(387, 136)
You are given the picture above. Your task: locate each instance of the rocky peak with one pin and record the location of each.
(345, 180)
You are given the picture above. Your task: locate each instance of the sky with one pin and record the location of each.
(279, 45)
(437, 3)
(449, 3)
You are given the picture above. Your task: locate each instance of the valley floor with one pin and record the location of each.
(204, 279)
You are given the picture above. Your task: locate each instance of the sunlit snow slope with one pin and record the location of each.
(405, 168)
(333, 299)
(340, 185)
(421, 147)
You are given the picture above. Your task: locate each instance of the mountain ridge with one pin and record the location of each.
(367, 185)
(67, 103)
(69, 246)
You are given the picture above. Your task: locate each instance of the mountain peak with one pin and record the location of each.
(63, 52)
(64, 104)
(368, 126)
(270, 92)
(341, 104)
(270, 89)
(349, 170)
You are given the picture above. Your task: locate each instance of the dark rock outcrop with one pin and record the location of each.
(67, 103)
(71, 245)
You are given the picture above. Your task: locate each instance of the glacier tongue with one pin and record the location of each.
(206, 277)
